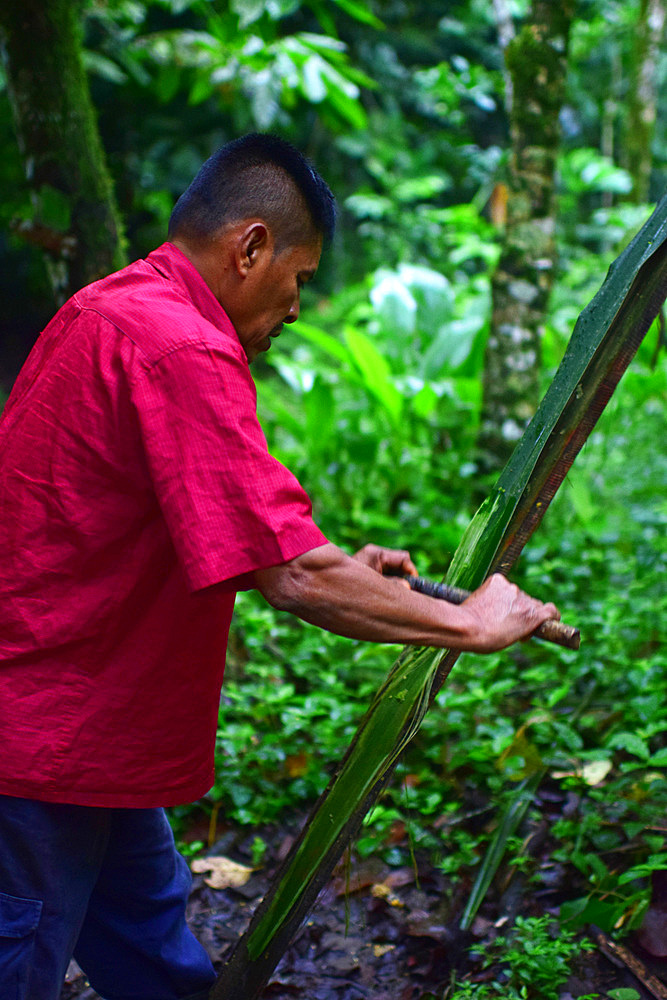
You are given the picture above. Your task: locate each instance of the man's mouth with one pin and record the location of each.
(266, 345)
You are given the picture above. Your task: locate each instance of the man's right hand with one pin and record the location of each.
(503, 614)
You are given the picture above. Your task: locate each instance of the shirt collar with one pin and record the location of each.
(175, 266)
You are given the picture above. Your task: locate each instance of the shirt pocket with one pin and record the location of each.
(18, 922)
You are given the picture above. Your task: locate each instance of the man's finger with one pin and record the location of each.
(399, 560)
(408, 566)
(390, 561)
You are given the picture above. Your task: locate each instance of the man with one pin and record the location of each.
(137, 497)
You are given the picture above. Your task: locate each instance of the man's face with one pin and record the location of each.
(271, 295)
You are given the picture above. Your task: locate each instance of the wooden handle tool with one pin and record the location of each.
(551, 630)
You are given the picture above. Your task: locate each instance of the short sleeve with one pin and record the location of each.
(230, 507)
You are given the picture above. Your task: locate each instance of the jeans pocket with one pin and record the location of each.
(18, 923)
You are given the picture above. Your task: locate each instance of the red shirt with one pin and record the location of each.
(133, 476)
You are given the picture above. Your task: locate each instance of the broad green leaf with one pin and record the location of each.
(360, 12)
(178, 6)
(264, 100)
(374, 371)
(582, 500)
(248, 11)
(425, 401)
(394, 304)
(434, 297)
(314, 87)
(655, 863)
(276, 9)
(321, 42)
(348, 107)
(432, 284)
(659, 759)
(103, 67)
(320, 415)
(369, 206)
(167, 82)
(338, 85)
(632, 743)
(591, 910)
(420, 188)
(450, 348)
(322, 340)
(586, 170)
(270, 400)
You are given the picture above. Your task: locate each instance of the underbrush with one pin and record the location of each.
(595, 721)
(583, 735)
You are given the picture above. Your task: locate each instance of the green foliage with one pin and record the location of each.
(401, 107)
(531, 732)
(533, 962)
(384, 390)
(268, 720)
(535, 957)
(295, 695)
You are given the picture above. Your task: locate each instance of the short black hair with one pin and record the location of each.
(256, 175)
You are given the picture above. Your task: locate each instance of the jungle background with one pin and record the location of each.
(490, 160)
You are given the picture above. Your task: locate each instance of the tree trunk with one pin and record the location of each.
(76, 221)
(506, 35)
(643, 95)
(537, 61)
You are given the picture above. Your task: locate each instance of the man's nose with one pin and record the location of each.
(293, 313)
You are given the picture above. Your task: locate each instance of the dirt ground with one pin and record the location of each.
(392, 934)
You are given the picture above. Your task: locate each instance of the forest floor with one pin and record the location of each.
(386, 933)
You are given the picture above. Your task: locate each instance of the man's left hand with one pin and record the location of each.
(393, 562)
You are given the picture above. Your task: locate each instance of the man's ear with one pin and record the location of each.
(254, 245)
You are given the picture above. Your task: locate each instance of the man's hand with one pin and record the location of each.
(396, 562)
(504, 614)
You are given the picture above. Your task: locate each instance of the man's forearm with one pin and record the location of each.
(339, 593)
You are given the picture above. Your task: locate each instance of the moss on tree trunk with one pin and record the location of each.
(643, 94)
(537, 62)
(76, 220)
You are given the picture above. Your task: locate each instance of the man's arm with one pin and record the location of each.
(350, 596)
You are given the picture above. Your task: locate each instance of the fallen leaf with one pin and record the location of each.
(398, 877)
(383, 891)
(225, 873)
(358, 876)
(423, 924)
(397, 833)
(596, 771)
(297, 765)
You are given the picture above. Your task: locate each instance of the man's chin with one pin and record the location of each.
(261, 348)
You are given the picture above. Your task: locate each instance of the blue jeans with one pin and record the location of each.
(104, 885)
